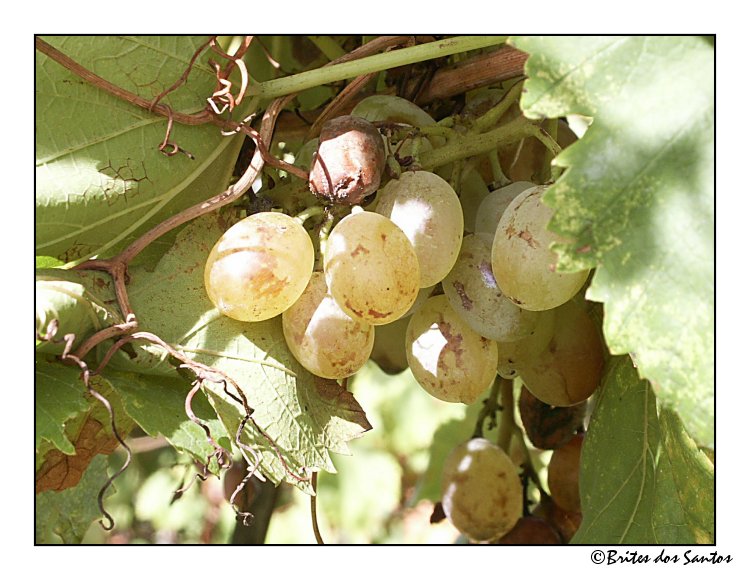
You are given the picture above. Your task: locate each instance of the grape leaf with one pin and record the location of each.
(89, 433)
(69, 298)
(637, 198)
(101, 179)
(658, 487)
(59, 396)
(157, 404)
(69, 513)
(302, 417)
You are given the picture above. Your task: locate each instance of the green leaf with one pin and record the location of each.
(157, 404)
(643, 480)
(303, 417)
(69, 513)
(637, 198)
(58, 397)
(69, 298)
(101, 179)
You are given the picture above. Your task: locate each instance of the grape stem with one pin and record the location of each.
(310, 212)
(507, 421)
(489, 410)
(395, 58)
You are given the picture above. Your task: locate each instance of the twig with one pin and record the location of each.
(314, 510)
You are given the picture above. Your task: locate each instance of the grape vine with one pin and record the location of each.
(401, 223)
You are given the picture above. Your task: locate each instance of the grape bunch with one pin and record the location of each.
(463, 290)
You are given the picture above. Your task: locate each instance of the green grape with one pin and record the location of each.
(482, 494)
(428, 211)
(388, 351)
(392, 108)
(563, 474)
(569, 368)
(471, 191)
(512, 355)
(473, 293)
(371, 268)
(448, 359)
(523, 263)
(259, 267)
(322, 337)
(493, 205)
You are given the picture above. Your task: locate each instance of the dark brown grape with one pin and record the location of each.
(563, 474)
(566, 523)
(349, 161)
(549, 427)
(531, 531)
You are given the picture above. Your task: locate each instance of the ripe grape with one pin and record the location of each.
(371, 268)
(563, 474)
(481, 491)
(448, 359)
(322, 337)
(570, 367)
(473, 293)
(349, 161)
(493, 205)
(549, 427)
(566, 523)
(259, 267)
(523, 263)
(428, 211)
(514, 354)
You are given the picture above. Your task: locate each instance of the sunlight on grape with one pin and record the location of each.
(427, 348)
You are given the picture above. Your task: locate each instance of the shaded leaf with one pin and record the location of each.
(643, 481)
(61, 296)
(101, 179)
(58, 397)
(157, 405)
(637, 198)
(304, 417)
(69, 513)
(89, 433)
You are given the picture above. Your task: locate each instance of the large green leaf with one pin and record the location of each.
(69, 513)
(306, 417)
(157, 404)
(637, 198)
(101, 179)
(643, 480)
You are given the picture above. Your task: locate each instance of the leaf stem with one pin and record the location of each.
(395, 58)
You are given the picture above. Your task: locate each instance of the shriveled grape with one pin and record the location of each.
(427, 209)
(448, 359)
(259, 267)
(371, 268)
(482, 494)
(523, 263)
(473, 293)
(549, 427)
(349, 161)
(570, 367)
(322, 337)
